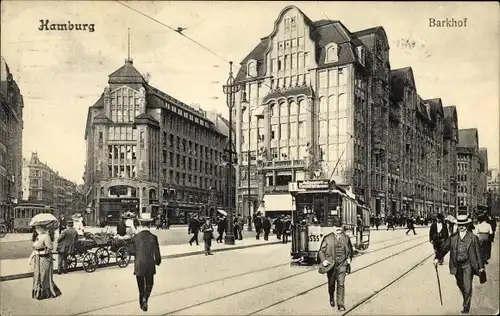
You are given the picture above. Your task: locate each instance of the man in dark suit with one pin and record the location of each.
(146, 250)
(194, 227)
(266, 225)
(465, 258)
(438, 234)
(335, 254)
(258, 225)
(66, 246)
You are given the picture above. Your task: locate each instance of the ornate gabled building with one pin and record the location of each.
(147, 151)
(11, 138)
(318, 107)
(42, 185)
(468, 170)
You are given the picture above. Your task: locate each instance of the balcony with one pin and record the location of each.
(276, 189)
(281, 164)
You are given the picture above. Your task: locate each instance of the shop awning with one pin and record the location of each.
(278, 202)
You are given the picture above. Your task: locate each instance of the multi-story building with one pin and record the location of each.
(494, 192)
(318, 98)
(11, 130)
(147, 151)
(41, 184)
(450, 155)
(468, 169)
(482, 193)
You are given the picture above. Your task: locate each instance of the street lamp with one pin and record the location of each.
(230, 90)
(246, 105)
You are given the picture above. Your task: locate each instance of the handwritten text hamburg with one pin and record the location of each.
(46, 26)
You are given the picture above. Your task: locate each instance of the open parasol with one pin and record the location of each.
(44, 219)
(128, 215)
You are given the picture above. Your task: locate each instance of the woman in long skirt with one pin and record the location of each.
(43, 266)
(484, 232)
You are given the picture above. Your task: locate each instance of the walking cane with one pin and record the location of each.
(439, 285)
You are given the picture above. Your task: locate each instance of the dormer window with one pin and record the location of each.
(252, 69)
(361, 54)
(331, 53)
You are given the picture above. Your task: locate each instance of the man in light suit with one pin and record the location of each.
(465, 258)
(335, 256)
(146, 250)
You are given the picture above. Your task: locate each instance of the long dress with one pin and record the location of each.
(43, 269)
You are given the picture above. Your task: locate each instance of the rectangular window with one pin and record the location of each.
(273, 131)
(306, 59)
(302, 129)
(284, 131)
(293, 130)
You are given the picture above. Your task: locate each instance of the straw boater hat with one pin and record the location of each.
(145, 217)
(463, 220)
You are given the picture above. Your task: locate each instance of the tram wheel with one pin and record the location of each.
(71, 261)
(102, 256)
(90, 262)
(122, 257)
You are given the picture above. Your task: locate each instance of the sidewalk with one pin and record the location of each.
(12, 269)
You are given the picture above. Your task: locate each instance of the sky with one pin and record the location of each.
(62, 73)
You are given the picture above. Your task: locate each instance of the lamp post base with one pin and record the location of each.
(229, 239)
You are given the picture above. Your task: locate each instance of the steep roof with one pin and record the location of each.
(450, 120)
(399, 79)
(483, 159)
(126, 74)
(436, 108)
(468, 138)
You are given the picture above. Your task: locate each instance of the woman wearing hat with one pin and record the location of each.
(465, 258)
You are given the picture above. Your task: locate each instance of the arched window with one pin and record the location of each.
(302, 106)
(293, 107)
(323, 106)
(284, 109)
(152, 194)
(331, 103)
(331, 53)
(252, 69)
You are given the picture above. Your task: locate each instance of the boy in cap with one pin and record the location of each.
(146, 250)
(335, 254)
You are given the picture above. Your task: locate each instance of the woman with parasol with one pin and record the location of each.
(41, 257)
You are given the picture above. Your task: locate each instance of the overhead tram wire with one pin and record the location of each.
(214, 53)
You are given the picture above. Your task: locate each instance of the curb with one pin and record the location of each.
(179, 255)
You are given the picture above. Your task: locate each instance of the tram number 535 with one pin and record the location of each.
(314, 238)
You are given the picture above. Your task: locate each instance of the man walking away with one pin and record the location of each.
(335, 254)
(465, 259)
(410, 224)
(145, 248)
(208, 232)
(278, 227)
(66, 246)
(258, 225)
(286, 229)
(221, 227)
(359, 223)
(266, 225)
(377, 222)
(194, 228)
(438, 234)
(484, 233)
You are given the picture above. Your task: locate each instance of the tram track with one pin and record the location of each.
(385, 287)
(244, 274)
(287, 278)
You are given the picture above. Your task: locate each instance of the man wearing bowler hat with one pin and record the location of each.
(146, 250)
(465, 258)
(335, 254)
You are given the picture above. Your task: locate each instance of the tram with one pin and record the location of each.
(317, 203)
(24, 212)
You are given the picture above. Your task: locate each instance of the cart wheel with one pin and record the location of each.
(122, 257)
(90, 262)
(71, 261)
(102, 256)
(3, 230)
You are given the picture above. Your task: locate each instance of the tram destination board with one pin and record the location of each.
(305, 185)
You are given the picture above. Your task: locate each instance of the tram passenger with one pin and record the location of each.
(335, 255)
